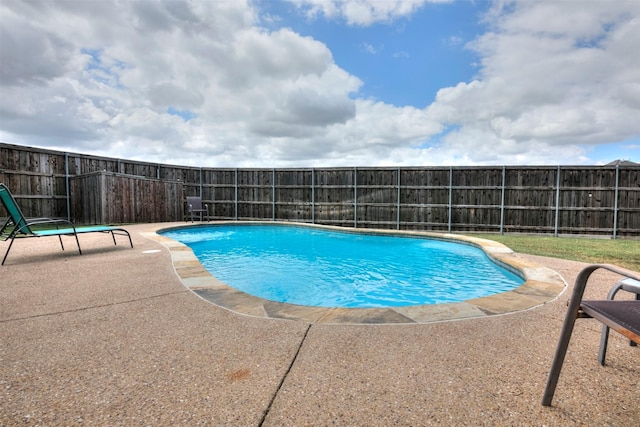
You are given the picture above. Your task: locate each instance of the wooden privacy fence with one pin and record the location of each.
(109, 197)
(601, 200)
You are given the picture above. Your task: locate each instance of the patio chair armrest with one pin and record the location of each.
(630, 285)
(583, 277)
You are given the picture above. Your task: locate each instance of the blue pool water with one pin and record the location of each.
(315, 267)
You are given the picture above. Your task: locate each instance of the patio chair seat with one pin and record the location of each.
(621, 316)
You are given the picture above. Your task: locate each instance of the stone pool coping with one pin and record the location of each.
(541, 284)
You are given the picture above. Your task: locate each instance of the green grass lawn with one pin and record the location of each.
(622, 252)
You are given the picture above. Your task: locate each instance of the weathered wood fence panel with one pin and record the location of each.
(112, 198)
(377, 197)
(37, 179)
(219, 190)
(335, 196)
(424, 198)
(293, 195)
(628, 221)
(547, 199)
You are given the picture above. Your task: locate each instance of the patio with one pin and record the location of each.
(114, 337)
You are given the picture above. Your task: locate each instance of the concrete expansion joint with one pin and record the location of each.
(284, 377)
(76, 310)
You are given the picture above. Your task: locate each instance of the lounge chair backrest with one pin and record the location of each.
(15, 214)
(194, 203)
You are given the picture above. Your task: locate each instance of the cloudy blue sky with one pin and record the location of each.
(302, 83)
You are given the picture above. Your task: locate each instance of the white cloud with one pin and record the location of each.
(362, 12)
(554, 79)
(369, 48)
(553, 75)
(112, 87)
(401, 54)
(453, 41)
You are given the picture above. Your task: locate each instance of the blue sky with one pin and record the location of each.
(402, 62)
(303, 83)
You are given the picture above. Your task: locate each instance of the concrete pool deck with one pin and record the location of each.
(113, 337)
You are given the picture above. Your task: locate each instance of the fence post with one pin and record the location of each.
(450, 195)
(313, 196)
(235, 215)
(504, 174)
(398, 212)
(615, 206)
(355, 197)
(555, 229)
(66, 184)
(273, 194)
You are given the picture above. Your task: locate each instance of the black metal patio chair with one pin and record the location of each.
(195, 206)
(621, 316)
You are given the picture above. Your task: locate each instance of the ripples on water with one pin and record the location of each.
(305, 266)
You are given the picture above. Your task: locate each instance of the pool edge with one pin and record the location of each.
(541, 285)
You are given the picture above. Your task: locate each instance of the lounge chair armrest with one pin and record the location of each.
(49, 221)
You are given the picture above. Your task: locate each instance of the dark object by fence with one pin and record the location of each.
(195, 207)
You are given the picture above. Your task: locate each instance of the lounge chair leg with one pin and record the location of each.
(7, 253)
(61, 245)
(78, 242)
(121, 232)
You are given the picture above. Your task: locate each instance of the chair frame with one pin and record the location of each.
(194, 205)
(628, 285)
(18, 226)
(605, 311)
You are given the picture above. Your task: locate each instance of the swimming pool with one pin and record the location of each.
(322, 268)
